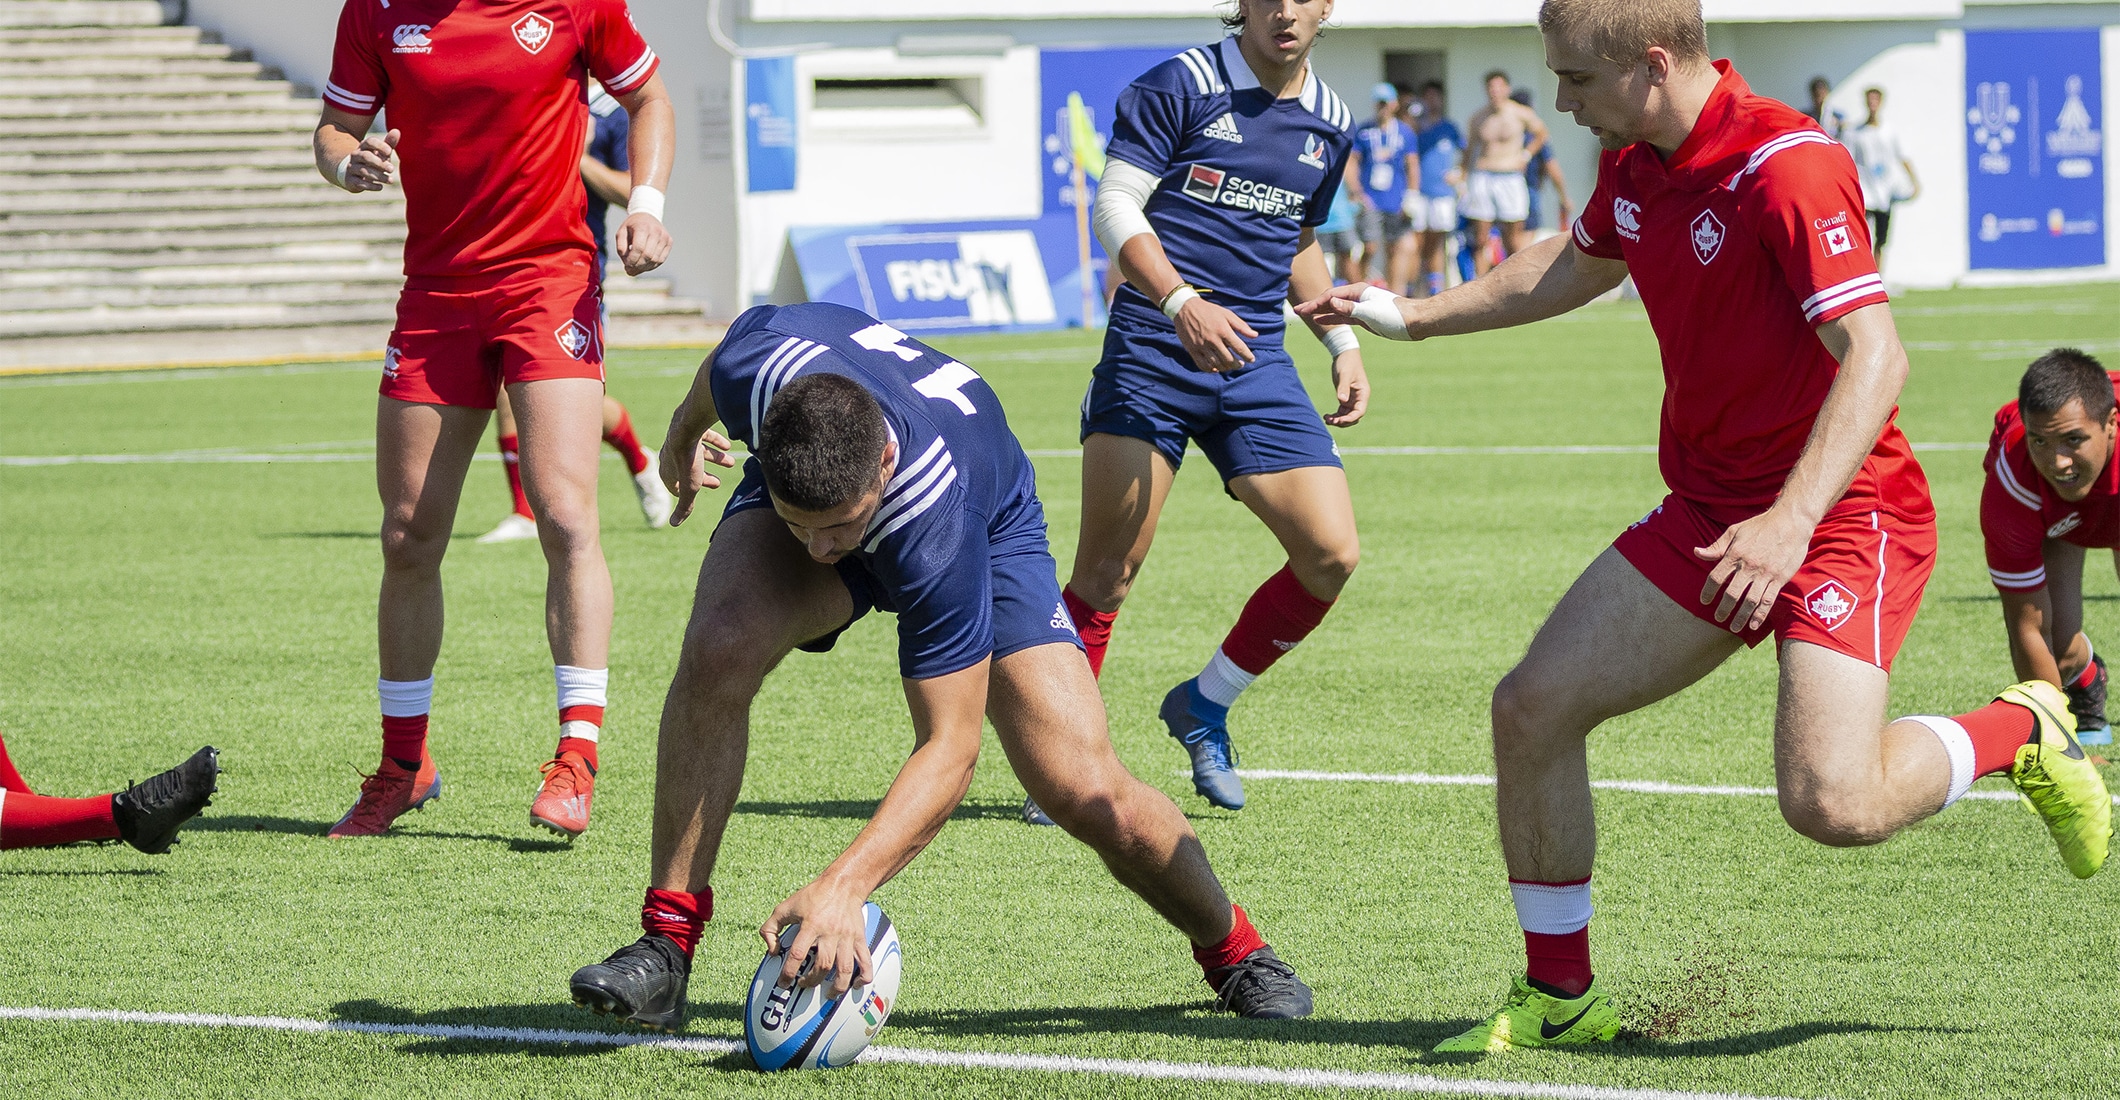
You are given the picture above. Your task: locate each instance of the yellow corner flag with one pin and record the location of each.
(1082, 136)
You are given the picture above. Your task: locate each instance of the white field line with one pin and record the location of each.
(319, 452)
(1636, 786)
(909, 1056)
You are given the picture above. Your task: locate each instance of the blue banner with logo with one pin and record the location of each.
(948, 277)
(1098, 76)
(2035, 148)
(769, 123)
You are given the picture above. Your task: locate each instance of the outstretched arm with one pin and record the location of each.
(1755, 558)
(1546, 280)
(947, 715)
(692, 443)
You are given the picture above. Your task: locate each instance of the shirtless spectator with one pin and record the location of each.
(1501, 139)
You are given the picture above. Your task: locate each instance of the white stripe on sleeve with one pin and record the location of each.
(2015, 488)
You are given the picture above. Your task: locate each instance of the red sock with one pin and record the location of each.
(1998, 730)
(1094, 627)
(1242, 940)
(587, 749)
(405, 739)
(621, 438)
(2089, 677)
(512, 462)
(1277, 616)
(679, 916)
(1561, 961)
(35, 821)
(10, 779)
(571, 737)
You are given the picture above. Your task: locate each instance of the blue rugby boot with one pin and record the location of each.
(1202, 727)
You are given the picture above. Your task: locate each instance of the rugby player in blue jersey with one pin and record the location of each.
(884, 476)
(1223, 161)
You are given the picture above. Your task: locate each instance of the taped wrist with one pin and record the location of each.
(1176, 299)
(1339, 341)
(645, 200)
(1378, 310)
(345, 162)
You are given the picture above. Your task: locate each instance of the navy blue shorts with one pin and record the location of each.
(1258, 420)
(1028, 610)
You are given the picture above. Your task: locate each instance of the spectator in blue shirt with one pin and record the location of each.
(1432, 212)
(1377, 177)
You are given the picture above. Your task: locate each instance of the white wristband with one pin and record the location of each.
(1341, 340)
(645, 200)
(1176, 299)
(1378, 310)
(345, 162)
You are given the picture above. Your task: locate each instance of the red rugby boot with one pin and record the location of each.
(387, 794)
(562, 803)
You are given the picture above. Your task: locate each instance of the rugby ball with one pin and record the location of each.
(810, 1029)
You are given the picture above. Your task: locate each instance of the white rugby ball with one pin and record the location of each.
(810, 1029)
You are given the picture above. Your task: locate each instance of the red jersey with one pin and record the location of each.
(2019, 510)
(1751, 235)
(490, 100)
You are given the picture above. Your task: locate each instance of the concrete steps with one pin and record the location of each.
(159, 204)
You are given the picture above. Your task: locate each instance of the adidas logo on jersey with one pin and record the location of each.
(1225, 129)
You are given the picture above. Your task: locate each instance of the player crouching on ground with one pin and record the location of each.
(2053, 491)
(1796, 507)
(884, 475)
(144, 815)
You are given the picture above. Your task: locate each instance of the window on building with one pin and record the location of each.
(882, 105)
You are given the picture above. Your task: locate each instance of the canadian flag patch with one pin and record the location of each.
(1831, 604)
(1837, 240)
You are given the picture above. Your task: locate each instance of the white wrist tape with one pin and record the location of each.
(345, 162)
(1339, 341)
(645, 200)
(1176, 299)
(1378, 310)
(1121, 196)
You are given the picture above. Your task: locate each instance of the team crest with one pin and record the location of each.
(1831, 604)
(1313, 151)
(1707, 236)
(532, 31)
(2073, 521)
(390, 361)
(573, 338)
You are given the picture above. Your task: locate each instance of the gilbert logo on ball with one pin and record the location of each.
(796, 1028)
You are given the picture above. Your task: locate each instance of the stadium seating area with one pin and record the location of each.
(158, 203)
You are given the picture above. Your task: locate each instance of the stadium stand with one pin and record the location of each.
(158, 204)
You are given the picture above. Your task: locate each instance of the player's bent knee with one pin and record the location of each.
(1105, 583)
(1835, 819)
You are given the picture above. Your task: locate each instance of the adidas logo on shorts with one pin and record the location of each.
(1225, 129)
(1061, 619)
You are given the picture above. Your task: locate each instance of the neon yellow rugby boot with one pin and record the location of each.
(1530, 1018)
(2058, 781)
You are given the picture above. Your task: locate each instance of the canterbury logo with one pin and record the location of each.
(412, 34)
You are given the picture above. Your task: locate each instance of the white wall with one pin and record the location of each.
(293, 35)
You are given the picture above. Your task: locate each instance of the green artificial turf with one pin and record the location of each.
(148, 608)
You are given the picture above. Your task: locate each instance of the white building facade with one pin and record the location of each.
(818, 137)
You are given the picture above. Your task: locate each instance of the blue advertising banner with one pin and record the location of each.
(769, 123)
(1098, 76)
(2035, 148)
(946, 277)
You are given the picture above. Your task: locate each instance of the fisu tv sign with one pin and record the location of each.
(991, 279)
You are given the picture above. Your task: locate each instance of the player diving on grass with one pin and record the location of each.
(2053, 491)
(144, 815)
(1796, 507)
(1223, 161)
(884, 476)
(487, 118)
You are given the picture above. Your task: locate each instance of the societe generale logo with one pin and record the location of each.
(1626, 214)
(532, 32)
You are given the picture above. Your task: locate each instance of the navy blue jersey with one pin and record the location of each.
(1242, 174)
(960, 475)
(608, 147)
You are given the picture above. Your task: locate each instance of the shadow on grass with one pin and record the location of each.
(856, 809)
(1194, 1019)
(258, 823)
(24, 872)
(542, 1017)
(282, 535)
(1635, 1044)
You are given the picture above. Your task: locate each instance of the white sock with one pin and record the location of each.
(1551, 909)
(581, 687)
(406, 698)
(1222, 681)
(1958, 745)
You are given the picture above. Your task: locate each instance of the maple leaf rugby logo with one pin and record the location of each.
(573, 338)
(1707, 236)
(1831, 604)
(531, 33)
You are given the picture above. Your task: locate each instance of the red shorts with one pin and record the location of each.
(458, 340)
(1856, 593)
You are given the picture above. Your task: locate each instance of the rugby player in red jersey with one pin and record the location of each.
(487, 120)
(1796, 507)
(2053, 491)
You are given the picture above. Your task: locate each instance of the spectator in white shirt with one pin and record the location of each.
(1887, 175)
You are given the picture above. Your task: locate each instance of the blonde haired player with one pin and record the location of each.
(1796, 507)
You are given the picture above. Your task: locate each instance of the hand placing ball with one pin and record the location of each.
(805, 1024)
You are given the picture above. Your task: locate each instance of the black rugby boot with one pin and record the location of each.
(149, 814)
(641, 983)
(1262, 987)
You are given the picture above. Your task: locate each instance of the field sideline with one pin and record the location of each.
(191, 559)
